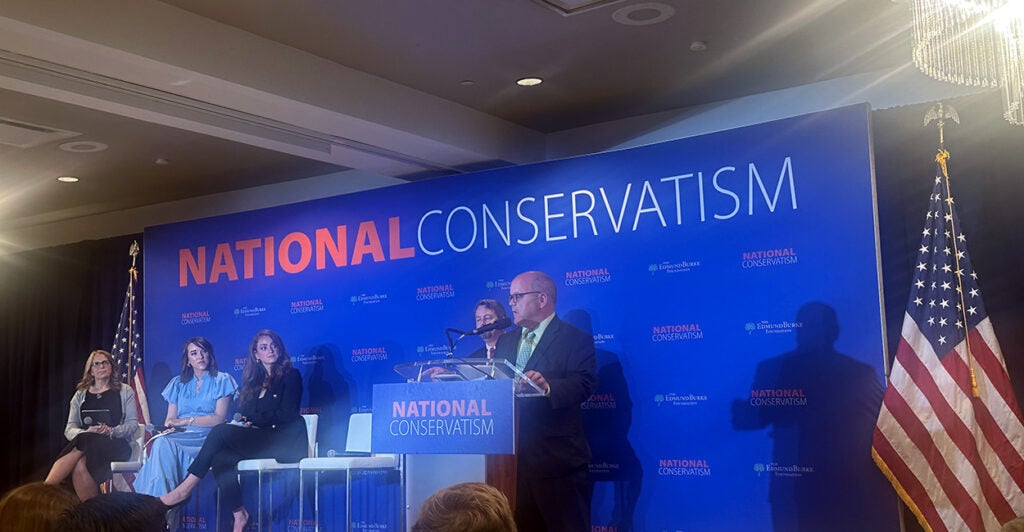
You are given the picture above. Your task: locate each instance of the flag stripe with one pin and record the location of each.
(911, 490)
(956, 416)
(1003, 451)
(986, 351)
(949, 481)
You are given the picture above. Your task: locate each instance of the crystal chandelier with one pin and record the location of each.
(977, 43)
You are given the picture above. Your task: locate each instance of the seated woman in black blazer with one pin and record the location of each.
(271, 428)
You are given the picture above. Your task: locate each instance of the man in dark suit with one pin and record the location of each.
(487, 312)
(552, 487)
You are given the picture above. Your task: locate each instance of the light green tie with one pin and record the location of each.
(525, 350)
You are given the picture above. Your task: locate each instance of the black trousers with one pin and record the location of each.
(226, 445)
(560, 504)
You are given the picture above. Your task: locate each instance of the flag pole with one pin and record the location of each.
(940, 113)
(133, 276)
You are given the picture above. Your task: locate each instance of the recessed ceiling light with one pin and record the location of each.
(529, 82)
(467, 83)
(698, 46)
(161, 162)
(67, 179)
(643, 14)
(83, 146)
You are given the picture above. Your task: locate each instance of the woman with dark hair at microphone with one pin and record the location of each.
(197, 400)
(271, 426)
(101, 421)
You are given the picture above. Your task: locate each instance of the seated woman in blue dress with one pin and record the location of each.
(101, 420)
(271, 426)
(197, 401)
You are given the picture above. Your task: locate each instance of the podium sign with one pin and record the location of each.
(472, 417)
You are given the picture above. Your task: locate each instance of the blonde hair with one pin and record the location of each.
(466, 507)
(87, 378)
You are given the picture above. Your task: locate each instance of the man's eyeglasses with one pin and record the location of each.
(514, 298)
(100, 363)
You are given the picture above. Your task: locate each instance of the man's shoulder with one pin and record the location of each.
(569, 331)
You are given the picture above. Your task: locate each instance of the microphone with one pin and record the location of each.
(160, 428)
(503, 323)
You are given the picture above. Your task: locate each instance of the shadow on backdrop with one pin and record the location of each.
(607, 417)
(820, 406)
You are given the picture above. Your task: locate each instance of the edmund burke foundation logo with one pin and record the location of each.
(368, 299)
(772, 327)
(667, 266)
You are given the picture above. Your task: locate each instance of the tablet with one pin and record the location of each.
(96, 417)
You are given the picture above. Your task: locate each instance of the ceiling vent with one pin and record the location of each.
(24, 135)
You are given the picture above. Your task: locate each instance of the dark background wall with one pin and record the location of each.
(59, 303)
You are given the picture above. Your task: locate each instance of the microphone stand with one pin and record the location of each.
(451, 343)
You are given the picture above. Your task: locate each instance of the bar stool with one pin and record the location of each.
(357, 443)
(270, 466)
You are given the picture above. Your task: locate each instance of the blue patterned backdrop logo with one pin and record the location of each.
(369, 354)
(305, 306)
(763, 327)
(435, 291)
(683, 467)
(670, 267)
(368, 299)
(676, 332)
(766, 258)
(599, 401)
(195, 317)
(680, 399)
(587, 276)
(778, 397)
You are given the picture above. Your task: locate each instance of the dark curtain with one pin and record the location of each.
(56, 306)
(59, 303)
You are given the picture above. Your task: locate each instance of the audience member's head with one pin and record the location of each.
(116, 512)
(467, 507)
(1014, 525)
(35, 507)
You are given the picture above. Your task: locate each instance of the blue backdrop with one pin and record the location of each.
(716, 274)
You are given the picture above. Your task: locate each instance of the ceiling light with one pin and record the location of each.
(698, 46)
(572, 7)
(467, 83)
(529, 82)
(978, 43)
(83, 146)
(643, 14)
(161, 162)
(67, 179)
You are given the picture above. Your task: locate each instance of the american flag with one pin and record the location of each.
(949, 435)
(127, 350)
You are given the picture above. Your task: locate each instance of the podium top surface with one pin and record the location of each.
(468, 369)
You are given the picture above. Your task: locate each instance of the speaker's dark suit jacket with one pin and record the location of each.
(551, 439)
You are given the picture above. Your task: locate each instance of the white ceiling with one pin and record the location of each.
(235, 94)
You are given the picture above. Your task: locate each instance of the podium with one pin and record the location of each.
(451, 420)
